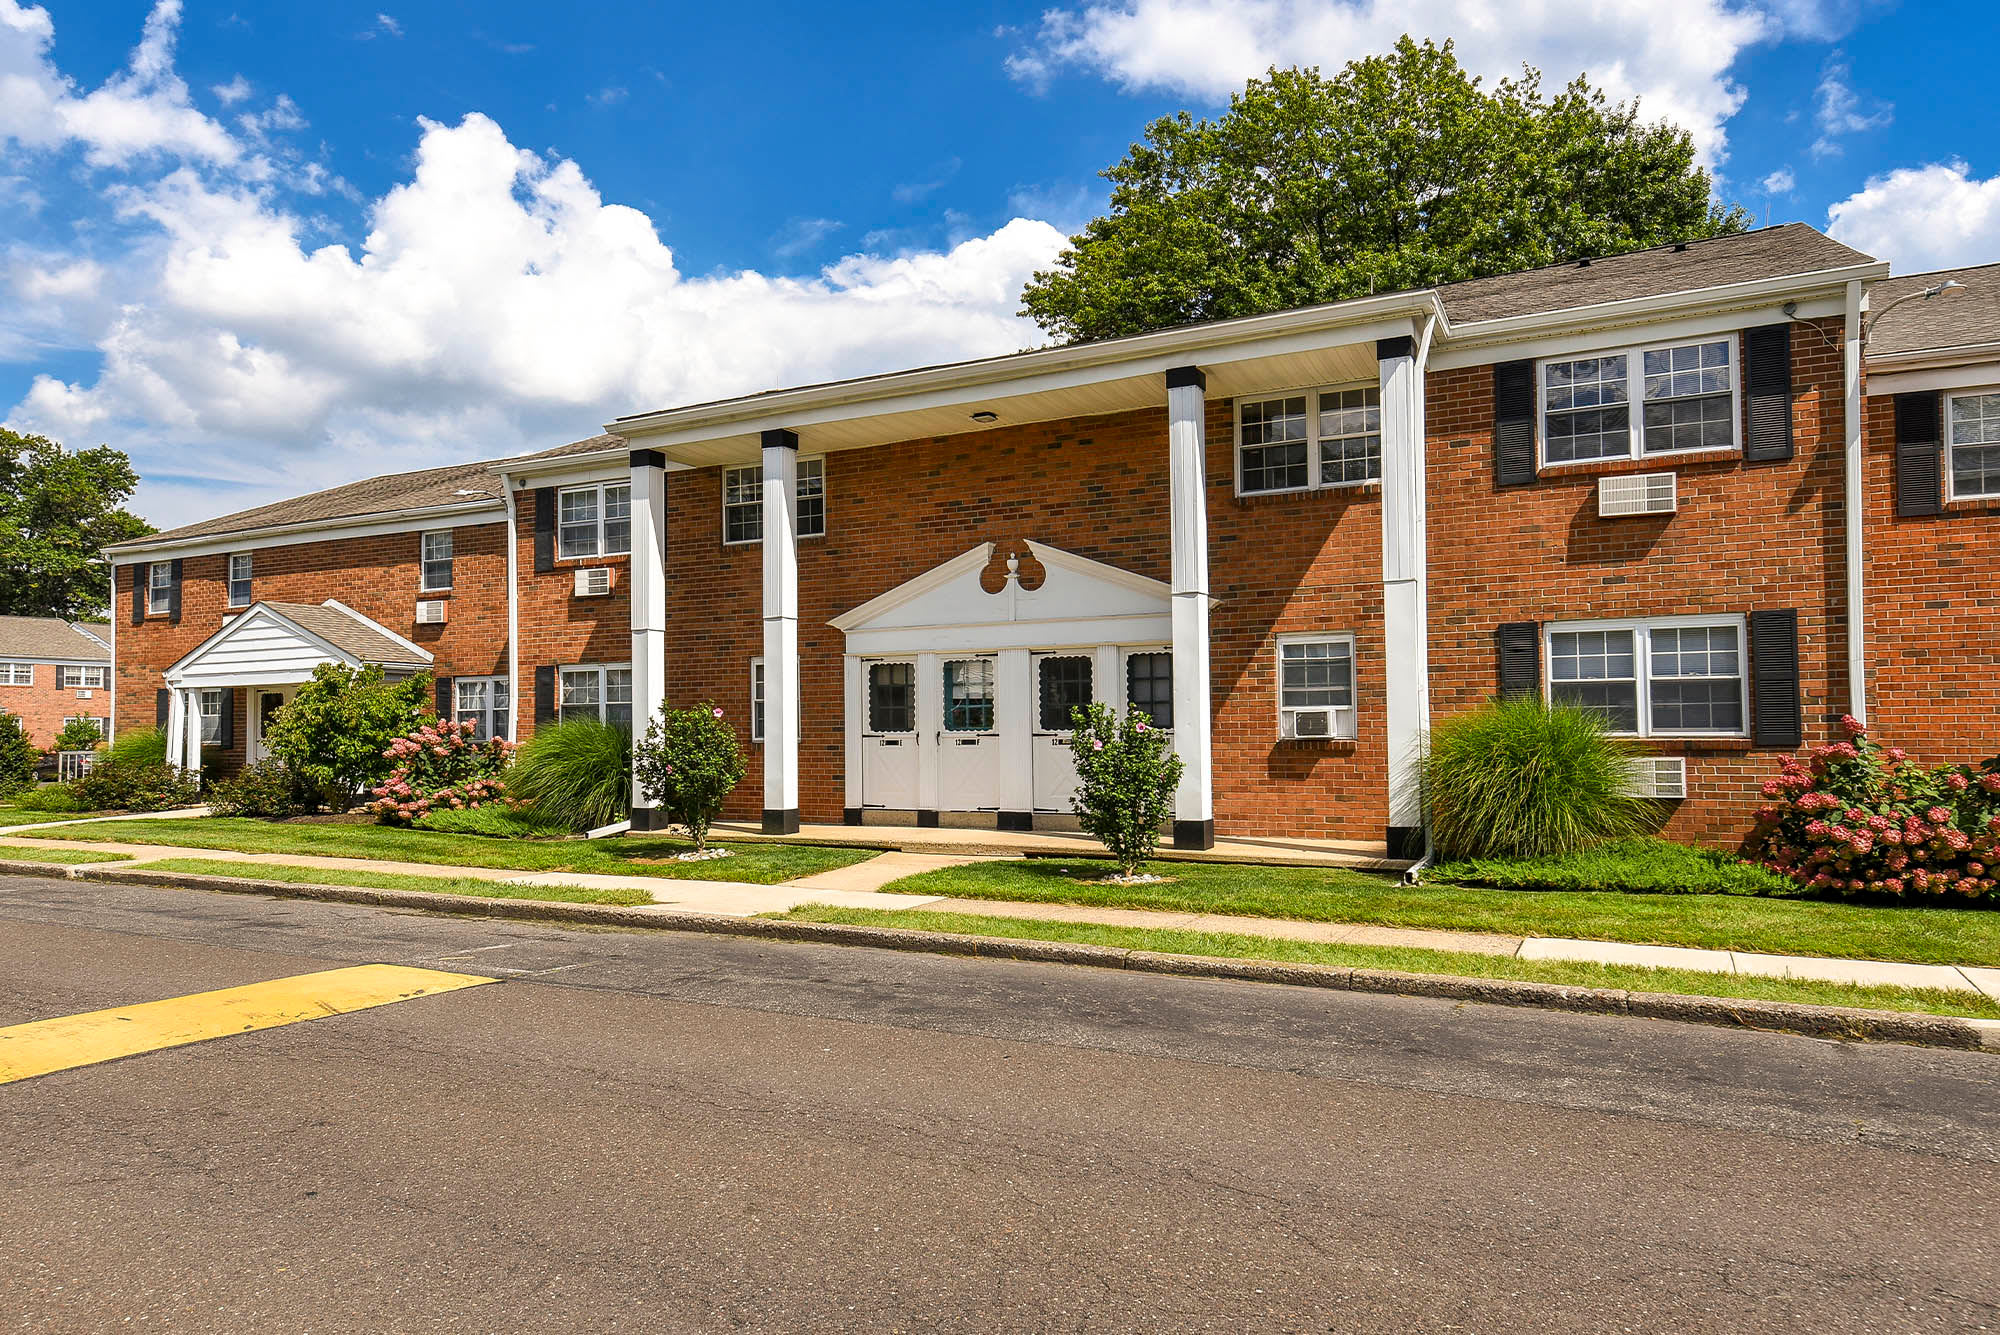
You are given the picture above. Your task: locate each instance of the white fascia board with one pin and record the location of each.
(40, 661)
(174, 674)
(1362, 320)
(577, 470)
(1933, 368)
(935, 577)
(318, 530)
(420, 654)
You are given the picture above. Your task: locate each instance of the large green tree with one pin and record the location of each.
(1399, 171)
(58, 509)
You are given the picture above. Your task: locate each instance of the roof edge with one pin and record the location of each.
(165, 543)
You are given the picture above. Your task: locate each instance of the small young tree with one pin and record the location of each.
(79, 734)
(690, 762)
(1126, 773)
(334, 733)
(17, 756)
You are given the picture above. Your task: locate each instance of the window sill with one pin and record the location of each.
(445, 592)
(571, 562)
(1333, 745)
(1342, 491)
(1724, 745)
(1972, 504)
(1651, 463)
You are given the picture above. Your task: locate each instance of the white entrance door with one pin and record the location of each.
(969, 742)
(889, 737)
(265, 702)
(1062, 683)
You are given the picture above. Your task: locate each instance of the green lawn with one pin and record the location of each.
(75, 856)
(1646, 865)
(437, 885)
(1449, 963)
(1789, 925)
(761, 864)
(19, 816)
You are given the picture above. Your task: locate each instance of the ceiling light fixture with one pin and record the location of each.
(984, 416)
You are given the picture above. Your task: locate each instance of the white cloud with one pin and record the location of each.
(1779, 182)
(497, 303)
(1839, 110)
(389, 25)
(232, 92)
(802, 234)
(1937, 216)
(608, 96)
(914, 192)
(1675, 58)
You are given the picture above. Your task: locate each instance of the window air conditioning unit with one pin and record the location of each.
(430, 611)
(1312, 725)
(1637, 494)
(593, 582)
(1663, 777)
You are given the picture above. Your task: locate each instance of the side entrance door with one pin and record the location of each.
(265, 702)
(1062, 683)
(889, 736)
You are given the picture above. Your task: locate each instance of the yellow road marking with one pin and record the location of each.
(42, 1046)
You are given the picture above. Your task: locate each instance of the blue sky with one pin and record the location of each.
(270, 247)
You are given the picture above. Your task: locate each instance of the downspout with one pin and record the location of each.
(1421, 367)
(1855, 516)
(111, 618)
(513, 610)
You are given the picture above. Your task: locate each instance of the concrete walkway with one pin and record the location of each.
(963, 841)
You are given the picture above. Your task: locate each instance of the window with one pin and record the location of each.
(484, 701)
(595, 692)
(1064, 688)
(159, 588)
(1671, 677)
(212, 703)
(79, 678)
(1316, 680)
(1322, 438)
(756, 699)
(594, 521)
(103, 725)
(1149, 686)
(17, 674)
(743, 502)
(892, 697)
(1973, 429)
(1686, 394)
(968, 695)
(239, 579)
(435, 558)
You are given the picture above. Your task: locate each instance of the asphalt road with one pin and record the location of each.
(658, 1132)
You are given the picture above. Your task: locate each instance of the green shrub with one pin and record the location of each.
(1126, 773)
(135, 786)
(577, 775)
(1641, 864)
(58, 798)
(335, 733)
(494, 820)
(439, 768)
(266, 788)
(141, 746)
(1519, 778)
(17, 756)
(79, 734)
(689, 762)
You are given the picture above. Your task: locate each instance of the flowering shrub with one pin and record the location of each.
(1856, 817)
(438, 767)
(1126, 773)
(689, 761)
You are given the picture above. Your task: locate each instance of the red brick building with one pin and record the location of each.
(52, 671)
(1293, 540)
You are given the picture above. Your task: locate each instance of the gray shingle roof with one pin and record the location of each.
(591, 446)
(344, 630)
(49, 640)
(1960, 320)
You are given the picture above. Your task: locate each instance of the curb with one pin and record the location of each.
(1845, 1023)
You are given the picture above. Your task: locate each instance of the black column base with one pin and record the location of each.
(1195, 834)
(1406, 842)
(646, 818)
(850, 815)
(927, 820)
(1017, 820)
(781, 822)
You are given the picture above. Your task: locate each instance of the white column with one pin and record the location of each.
(1856, 498)
(1405, 666)
(176, 727)
(930, 734)
(191, 731)
(853, 694)
(1014, 715)
(1194, 802)
(649, 606)
(781, 632)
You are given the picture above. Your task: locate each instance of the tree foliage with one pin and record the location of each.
(1126, 774)
(335, 733)
(1400, 171)
(58, 510)
(17, 755)
(690, 762)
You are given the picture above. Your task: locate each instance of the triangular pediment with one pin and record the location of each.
(1074, 588)
(272, 643)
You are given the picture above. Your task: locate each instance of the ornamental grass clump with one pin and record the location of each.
(689, 761)
(439, 767)
(1126, 773)
(1858, 818)
(1520, 778)
(576, 775)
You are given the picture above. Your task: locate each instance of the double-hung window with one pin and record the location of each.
(99, 722)
(1667, 677)
(1316, 686)
(483, 700)
(159, 588)
(594, 520)
(79, 678)
(211, 705)
(1633, 402)
(17, 674)
(743, 502)
(598, 691)
(435, 557)
(1319, 438)
(240, 566)
(1972, 430)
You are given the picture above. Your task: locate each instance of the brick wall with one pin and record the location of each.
(1747, 536)
(43, 706)
(557, 627)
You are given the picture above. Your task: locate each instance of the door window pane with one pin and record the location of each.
(968, 695)
(1149, 687)
(1065, 688)
(892, 697)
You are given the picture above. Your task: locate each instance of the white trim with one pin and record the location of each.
(935, 577)
(1882, 384)
(167, 589)
(316, 530)
(758, 505)
(1944, 430)
(13, 665)
(1967, 355)
(1635, 401)
(491, 684)
(756, 697)
(600, 669)
(1353, 707)
(1313, 440)
(1854, 502)
(229, 579)
(103, 679)
(424, 584)
(1642, 668)
(513, 608)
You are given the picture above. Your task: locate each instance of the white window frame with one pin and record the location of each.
(1642, 629)
(79, 677)
(757, 699)
(600, 669)
(12, 673)
(230, 580)
(101, 723)
(1635, 401)
(599, 546)
(160, 591)
(1951, 491)
(817, 470)
(424, 559)
(211, 720)
(1314, 478)
(1353, 707)
(495, 714)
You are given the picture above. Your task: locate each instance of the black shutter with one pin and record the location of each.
(174, 595)
(1514, 423)
(139, 593)
(545, 530)
(226, 738)
(545, 695)
(160, 705)
(1919, 456)
(1776, 716)
(444, 699)
(1520, 644)
(1767, 380)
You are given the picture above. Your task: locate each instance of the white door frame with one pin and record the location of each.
(254, 747)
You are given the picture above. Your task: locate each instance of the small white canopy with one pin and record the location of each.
(271, 644)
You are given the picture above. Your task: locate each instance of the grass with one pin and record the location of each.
(759, 864)
(1643, 865)
(1786, 924)
(370, 880)
(1630, 978)
(73, 856)
(495, 821)
(22, 816)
